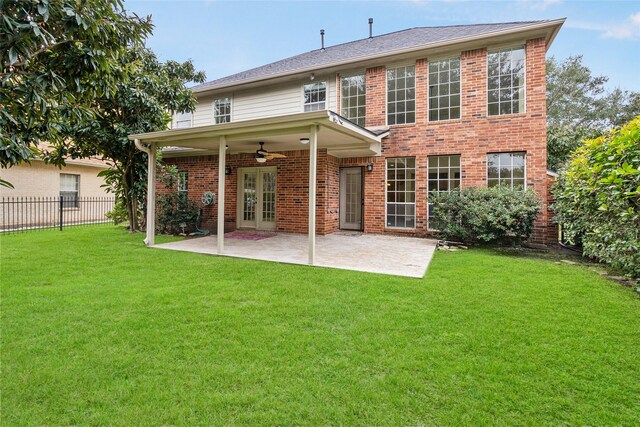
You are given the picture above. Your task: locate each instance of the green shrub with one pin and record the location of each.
(174, 209)
(485, 214)
(119, 213)
(597, 198)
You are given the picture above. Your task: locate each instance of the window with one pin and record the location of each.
(182, 120)
(401, 95)
(353, 99)
(401, 192)
(505, 81)
(315, 96)
(506, 169)
(69, 190)
(183, 182)
(444, 89)
(443, 175)
(222, 110)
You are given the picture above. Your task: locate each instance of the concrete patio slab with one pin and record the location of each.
(398, 256)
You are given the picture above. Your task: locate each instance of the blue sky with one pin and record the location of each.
(225, 37)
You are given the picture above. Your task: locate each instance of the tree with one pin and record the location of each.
(57, 56)
(579, 106)
(143, 103)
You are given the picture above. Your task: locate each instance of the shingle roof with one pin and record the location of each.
(378, 45)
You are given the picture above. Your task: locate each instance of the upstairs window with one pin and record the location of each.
(401, 95)
(506, 169)
(505, 81)
(353, 99)
(69, 190)
(182, 120)
(222, 110)
(315, 96)
(183, 183)
(444, 89)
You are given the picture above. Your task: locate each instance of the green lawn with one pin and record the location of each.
(98, 329)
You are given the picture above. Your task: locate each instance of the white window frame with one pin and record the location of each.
(386, 190)
(436, 60)
(386, 88)
(524, 187)
(438, 180)
(175, 120)
(229, 100)
(318, 103)
(183, 182)
(524, 85)
(73, 203)
(364, 118)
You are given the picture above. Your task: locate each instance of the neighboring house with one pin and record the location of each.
(79, 178)
(78, 182)
(380, 122)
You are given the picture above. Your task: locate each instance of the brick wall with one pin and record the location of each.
(472, 136)
(292, 188)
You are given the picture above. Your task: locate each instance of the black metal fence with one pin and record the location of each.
(33, 213)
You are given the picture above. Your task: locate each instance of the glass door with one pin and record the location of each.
(351, 199)
(257, 198)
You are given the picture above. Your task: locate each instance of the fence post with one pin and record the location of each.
(60, 210)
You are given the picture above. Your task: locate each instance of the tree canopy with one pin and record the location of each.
(57, 56)
(579, 106)
(144, 102)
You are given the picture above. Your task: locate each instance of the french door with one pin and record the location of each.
(257, 198)
(351, 200)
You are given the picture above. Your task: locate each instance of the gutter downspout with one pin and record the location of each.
(151, 190)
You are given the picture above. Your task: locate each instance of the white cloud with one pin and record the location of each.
(627, 30)
(541, 5)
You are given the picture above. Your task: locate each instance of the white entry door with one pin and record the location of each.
(257, 198)
(351, 198)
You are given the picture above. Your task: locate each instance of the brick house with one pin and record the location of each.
(364, 130)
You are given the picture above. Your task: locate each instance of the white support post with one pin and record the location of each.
(313, 161)
(151, 196)
(222, 153)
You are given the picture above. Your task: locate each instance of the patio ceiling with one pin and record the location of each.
(339, 136)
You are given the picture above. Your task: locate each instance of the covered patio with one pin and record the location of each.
(310, 131)
(372, 253)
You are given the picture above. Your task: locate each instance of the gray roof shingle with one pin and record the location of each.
(378, 45)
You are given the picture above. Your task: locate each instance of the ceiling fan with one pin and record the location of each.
(263, 155)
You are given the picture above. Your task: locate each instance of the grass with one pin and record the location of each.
(97, 329)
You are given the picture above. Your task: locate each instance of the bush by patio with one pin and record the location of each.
(173, 210)
(485, 214)
(597, 198)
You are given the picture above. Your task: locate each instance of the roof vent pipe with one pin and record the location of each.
(322, 38)
(370, 28)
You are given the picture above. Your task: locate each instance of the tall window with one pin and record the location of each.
(182, 120)
(401, 192)
(444, 89)
(401, 95)
(506, 169)
(505, 84)
(183, 183)
(69, 190)
(353, 99)
(443, 176)
(315, 96)
(222, 110)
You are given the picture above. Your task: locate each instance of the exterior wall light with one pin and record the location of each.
(369, 167)
(227, 170)
(304, 141)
